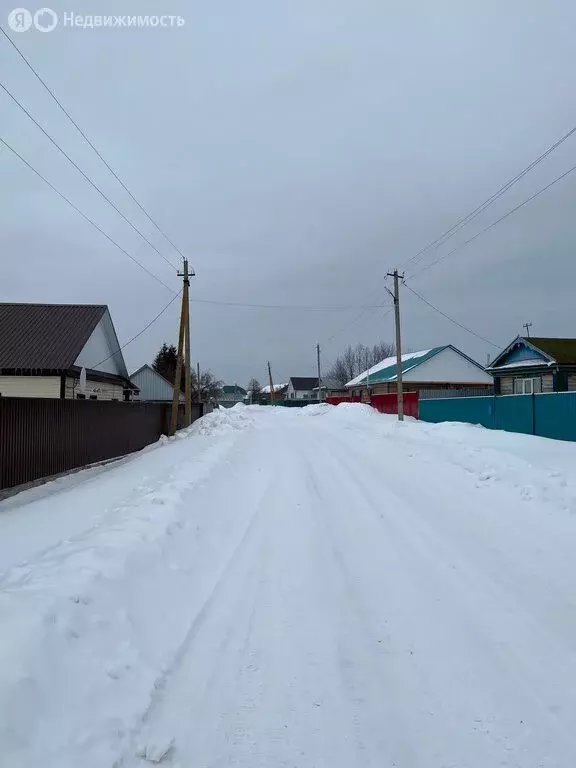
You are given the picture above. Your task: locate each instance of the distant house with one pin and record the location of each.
(440, 368)
(530, 365)
(330, 387)
(279, 393)
(302, 388)
(232, 394)
(44, 347)
(153, 386)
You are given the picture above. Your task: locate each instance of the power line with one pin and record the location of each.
(464, 328)
(88, 179)
(172, 300)
(494, 223)
(85, 137)
(461, 223)
(84, 216)
(315, 308)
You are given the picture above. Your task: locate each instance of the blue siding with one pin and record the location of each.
(522, 352)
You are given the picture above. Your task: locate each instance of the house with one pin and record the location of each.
(439, 369)
(153, 386)
(529, 365)
(44, 348)
(302, 388)
(232, 394)
(330, 387)
(279, 393)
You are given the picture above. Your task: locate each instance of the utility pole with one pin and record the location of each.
(178, 376)
(271, 384)
(188, 361)
(319, 377)
(367, 377)
(527, 326)
(198, 379)
(399, 382)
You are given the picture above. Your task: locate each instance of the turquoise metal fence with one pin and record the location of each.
(514, 413)
(555, 415)
(476, 410)
(547, 415)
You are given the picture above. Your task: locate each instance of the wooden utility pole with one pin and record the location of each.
(183, 340)
(399, 382)
(527, 326)
(271, 384)
(178, 376)
(188, 361)
(319, 376)
(366, 363)
(198, 380)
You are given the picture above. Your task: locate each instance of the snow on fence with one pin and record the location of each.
(40, 438)
(550, 414)
(384, 403)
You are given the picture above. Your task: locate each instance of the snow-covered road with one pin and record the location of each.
(323, 588)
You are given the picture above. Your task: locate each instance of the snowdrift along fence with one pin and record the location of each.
(382, 403)
(546, 415)
(40, 438)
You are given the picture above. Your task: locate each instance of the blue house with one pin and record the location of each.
(531, 365)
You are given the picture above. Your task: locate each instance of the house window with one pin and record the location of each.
(93, 397)
(80, 397)
(527, 386)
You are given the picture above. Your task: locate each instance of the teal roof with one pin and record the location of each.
(386, 370)
(232, 389)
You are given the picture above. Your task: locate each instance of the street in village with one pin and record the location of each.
(320, 587)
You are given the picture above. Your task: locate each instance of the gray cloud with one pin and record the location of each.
(297, 151)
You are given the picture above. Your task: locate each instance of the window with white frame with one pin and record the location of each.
(527, 386)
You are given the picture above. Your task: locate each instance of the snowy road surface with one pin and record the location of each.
(323, 588)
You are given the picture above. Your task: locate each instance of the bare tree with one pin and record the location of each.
(210, 387)
(354, 360)
(254, 389)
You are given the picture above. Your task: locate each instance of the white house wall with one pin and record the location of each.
(448, 367)
(103, 390)
(102, 344)
(30, 386)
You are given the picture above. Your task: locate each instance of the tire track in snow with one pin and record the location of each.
(162, 683)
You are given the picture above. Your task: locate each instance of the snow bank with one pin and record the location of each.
(89, 623)
(224, 420)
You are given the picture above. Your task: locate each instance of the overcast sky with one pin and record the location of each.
(296, 150)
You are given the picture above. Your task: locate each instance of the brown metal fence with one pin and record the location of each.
(40, 438)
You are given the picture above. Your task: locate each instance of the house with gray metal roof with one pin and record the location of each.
(61, 351)
(440, 368)
(153, 386)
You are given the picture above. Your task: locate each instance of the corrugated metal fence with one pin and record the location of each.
(382, 403)
(40, 438)
(547, 415)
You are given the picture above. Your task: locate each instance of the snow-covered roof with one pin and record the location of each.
(524, 364)
(386, 369)
(277, 388)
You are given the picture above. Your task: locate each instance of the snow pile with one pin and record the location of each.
(89, 623)
(224, 420)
